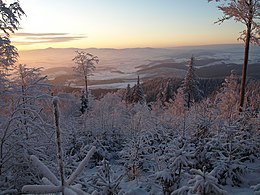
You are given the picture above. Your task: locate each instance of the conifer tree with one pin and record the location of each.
(228, 97)
(138, 94)
(160, 97)
(168, 92)
(190, 85)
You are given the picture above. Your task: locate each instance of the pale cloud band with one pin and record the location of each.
(36, 38)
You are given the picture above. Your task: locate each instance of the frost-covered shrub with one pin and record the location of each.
(228, 165)
(229, 172)
(205, 183)
(177, 160)
(106, 181)
(133, 155)
(180, 158)
(165, 179)
(256, 189)
(201, 183)
(203, 154)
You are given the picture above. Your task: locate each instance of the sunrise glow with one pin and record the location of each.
(121, 24)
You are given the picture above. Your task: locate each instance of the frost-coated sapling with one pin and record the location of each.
(166, 179)
(24, 132)
(105, 180)
(190, 85)
(204, 183)
(133, 156)
(181, 159)
(256, 189)
(201, 183)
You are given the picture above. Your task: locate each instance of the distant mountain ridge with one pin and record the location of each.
(118, 67)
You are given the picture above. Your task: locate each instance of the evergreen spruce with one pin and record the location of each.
(138, 94)
(190, 85)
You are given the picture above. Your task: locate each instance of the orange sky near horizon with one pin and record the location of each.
(121, 24)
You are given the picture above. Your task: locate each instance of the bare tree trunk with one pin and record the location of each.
(58, 141)
(244, 69)
(86, 97)
(86, 86)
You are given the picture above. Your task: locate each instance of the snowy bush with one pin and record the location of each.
(105, 180)
(256, 189)
(166, 179)
(180, 160)
(134, 157)
(228, 167)
(202, 183)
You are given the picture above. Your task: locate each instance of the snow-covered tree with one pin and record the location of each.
(8, 54)
(106, 181)
(166, 179)
(134, 157)
(23, 125)
(180, 161)
(202, 183)
(138, 92)
(9, 22)
(107, 123)
(248, 135)
(246, 12)
(256, 189)
(4, 84)
(228, 97)
(178, 107)
(253, 97)
(190, 85)
(228, 159)
(168, 92)
(83, 103)
(85, 65)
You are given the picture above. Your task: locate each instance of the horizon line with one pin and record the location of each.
(173, 47)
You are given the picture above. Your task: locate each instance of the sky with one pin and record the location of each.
(121, 24)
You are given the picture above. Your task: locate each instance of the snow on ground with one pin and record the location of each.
(252, 177)
(136, 187)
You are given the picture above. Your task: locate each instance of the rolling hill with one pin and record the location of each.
(118, 67)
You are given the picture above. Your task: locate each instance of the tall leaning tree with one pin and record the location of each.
(246, 12)
(85, 65)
